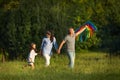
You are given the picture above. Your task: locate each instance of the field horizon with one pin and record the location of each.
(88, 66)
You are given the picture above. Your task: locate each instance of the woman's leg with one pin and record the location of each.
(47, 59)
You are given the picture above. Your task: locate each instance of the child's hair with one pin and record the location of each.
(31, 46)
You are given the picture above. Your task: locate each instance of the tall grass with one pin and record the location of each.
(88, 66)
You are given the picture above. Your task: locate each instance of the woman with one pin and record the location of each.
(46, 47)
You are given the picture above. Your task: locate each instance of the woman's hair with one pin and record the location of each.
(48, 32)
(51, 35)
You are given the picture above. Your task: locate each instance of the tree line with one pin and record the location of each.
(26, 21)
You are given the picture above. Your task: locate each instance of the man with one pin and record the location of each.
(70, 40)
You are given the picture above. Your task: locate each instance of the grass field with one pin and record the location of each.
(88, 66)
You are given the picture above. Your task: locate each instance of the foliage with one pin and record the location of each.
(25, 21)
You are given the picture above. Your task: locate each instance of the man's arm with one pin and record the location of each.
(79, 32)
(61, 46)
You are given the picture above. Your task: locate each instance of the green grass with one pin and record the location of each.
(88, 66)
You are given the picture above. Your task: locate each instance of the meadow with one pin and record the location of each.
(88, 66)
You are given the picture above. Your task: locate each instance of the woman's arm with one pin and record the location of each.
(55, 44)
(42, 44)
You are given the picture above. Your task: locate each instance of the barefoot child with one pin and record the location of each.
(32, 55)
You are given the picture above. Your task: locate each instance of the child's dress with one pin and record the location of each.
(31, 56)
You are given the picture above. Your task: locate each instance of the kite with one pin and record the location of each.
(88, 32)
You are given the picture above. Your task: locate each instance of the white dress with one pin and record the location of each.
(31, 56)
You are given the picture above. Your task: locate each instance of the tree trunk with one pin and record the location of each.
(3, 55)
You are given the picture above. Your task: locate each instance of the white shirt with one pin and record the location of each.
(31, 56)
(47, 45)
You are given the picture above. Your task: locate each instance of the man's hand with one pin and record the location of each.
(58, 51)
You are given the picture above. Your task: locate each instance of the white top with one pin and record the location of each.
(47, 45)
(31, 56)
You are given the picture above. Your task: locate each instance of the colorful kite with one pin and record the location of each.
(88, 31)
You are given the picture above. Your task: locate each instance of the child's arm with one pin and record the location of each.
(36, 54)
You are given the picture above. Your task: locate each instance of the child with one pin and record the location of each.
(32, 55)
